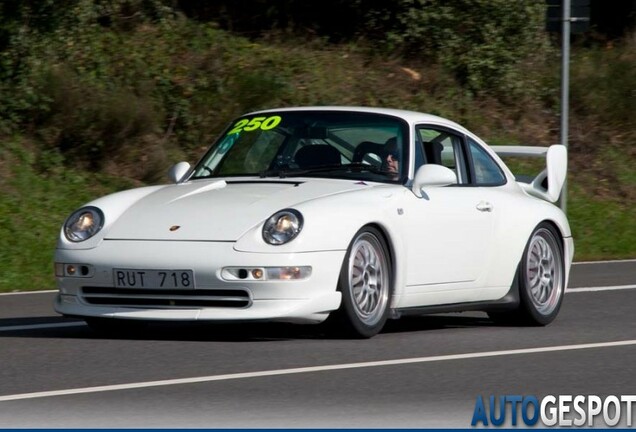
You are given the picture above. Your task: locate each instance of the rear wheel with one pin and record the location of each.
(365, 284)
(541, 279)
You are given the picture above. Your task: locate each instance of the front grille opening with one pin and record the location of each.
(166, 298)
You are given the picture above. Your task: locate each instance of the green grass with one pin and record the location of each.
(602, 206)
(34, 202)
(602, 229)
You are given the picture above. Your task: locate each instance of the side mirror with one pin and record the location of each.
(178, 171)
(432, 175)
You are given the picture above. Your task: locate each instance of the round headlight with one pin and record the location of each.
(282, 227)
(83, 224)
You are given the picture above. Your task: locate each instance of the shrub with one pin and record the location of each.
(480, 41)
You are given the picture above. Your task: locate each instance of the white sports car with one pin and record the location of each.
(356, 215)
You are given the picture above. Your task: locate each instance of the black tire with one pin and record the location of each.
(365, 283)
(540, 278)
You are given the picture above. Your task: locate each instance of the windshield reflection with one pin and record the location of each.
(330, 144)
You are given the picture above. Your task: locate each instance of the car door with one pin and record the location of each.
(450, 227)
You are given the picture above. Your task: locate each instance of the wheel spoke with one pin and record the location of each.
(372, 301)
(367, 255)
(364, 305)
(356, 278)
(535, 279)
(358, 292)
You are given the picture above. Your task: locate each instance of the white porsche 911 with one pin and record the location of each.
(356, 215)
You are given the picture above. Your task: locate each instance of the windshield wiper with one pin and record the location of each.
(353, 167)
(282, 173)
(361, 167)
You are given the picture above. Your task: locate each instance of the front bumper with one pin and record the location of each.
(306, 300)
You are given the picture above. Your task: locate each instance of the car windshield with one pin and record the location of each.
(334, 144)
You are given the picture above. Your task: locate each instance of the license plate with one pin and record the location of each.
(132, 278)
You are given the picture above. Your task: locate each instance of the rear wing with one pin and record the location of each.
(548, 183)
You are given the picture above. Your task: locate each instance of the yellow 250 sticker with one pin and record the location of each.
(249, 125)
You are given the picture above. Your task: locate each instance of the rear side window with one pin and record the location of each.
(487, 172)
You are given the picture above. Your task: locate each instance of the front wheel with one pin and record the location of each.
(541, 279)
(365, 284)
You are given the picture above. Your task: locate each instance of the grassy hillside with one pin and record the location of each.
(108, 110)
(37, 195)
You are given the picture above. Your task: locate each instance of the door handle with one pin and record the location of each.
(484, 206)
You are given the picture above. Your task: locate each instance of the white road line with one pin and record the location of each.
(628, 260)
(42, 326)
(582, 289)
(605, 262)
(595, 289)
(81, 323)
(574, 263)
(27, 292)
(312, 369)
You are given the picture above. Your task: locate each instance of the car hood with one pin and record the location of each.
(217, 210)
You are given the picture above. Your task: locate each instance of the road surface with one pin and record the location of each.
(420, 372)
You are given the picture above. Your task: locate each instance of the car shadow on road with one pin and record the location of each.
(437, 322)
(65, 328)
(7, 323)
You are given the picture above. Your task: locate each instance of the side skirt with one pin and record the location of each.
(510, 301)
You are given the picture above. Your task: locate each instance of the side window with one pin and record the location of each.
(443, 148)
(487, 172)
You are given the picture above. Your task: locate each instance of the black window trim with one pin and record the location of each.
(463, 156)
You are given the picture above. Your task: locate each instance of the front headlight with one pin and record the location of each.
(282, 227)
(83, 224)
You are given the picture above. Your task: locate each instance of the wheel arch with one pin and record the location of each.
(557, 228)
(355, 318)
(394, 247)
(567, 246)
(387, 240)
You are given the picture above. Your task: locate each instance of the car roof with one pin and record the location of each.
(410, 116)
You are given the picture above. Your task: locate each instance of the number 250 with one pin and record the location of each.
(249, 125)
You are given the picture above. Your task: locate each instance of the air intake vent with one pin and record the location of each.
(168, 299)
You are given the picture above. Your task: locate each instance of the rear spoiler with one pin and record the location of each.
(555, 172)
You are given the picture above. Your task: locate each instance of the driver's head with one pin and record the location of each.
(391, 160)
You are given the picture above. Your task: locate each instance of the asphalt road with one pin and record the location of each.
(420, 372)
